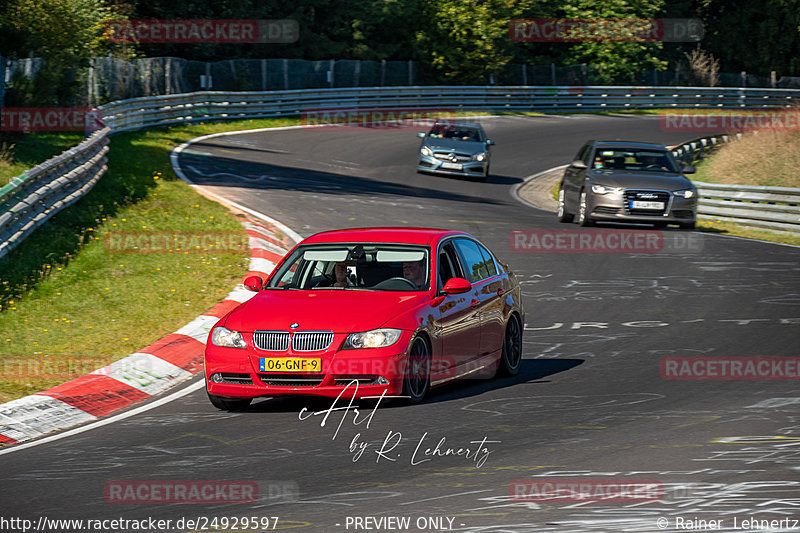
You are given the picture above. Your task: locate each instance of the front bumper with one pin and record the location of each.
(468, 168)
(357, 373)
(615, 206)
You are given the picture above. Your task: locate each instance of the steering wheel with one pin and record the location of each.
(398, 278)
(327, 282)
(653, 167)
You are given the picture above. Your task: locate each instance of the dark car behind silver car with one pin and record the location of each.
(621, 181)
(455, 148)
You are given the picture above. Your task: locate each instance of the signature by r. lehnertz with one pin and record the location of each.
(476, 451)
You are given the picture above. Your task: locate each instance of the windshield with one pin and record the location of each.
(455, 132)
(359, 266)
(613, 159)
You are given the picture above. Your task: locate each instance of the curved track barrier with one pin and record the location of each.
(29, 200)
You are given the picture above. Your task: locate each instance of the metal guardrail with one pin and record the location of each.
(29, 200)
(136, 113)
(39, 193)
(775, 208)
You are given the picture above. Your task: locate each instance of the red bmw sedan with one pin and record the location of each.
(369, 312)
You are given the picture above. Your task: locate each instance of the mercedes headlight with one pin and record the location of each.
(426, 151)
(480, 157)
(377, 338)
(685, 193)
(229, 339)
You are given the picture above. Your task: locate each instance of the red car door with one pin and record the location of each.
(457, 321)
(487, 295)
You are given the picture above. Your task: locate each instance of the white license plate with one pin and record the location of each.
(454, 166)
(637, 204)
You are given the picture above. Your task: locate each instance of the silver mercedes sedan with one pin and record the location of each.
(455, 148)
(621, 181)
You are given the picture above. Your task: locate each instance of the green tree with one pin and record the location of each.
(65, 33)
(613, 61)
(465, 41)
(757, 37)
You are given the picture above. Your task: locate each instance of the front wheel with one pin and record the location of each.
(688, 226)
(229, 404)
(563, 216)
(511, 357)
(417, 380)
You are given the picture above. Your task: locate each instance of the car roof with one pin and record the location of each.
(629, 144)
(389, 234)
(459, 124)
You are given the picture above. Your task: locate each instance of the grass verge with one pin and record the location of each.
(737, 230)
(23, 151)
(769, 158)
(69, 303)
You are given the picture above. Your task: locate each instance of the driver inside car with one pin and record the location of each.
(414, 271)
(340, 275)
(653, 161)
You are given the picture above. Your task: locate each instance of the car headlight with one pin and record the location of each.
(377, 338)
(602, 189)
(480, 157)
(229, 339)
(426, 151)
(686, 193)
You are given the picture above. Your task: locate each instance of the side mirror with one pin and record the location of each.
(578, 164)
(689, 169)
(253, 283)
(456, 286)
(489, 142)
(421, 134)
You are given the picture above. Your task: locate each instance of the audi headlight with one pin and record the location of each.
(426, 151)
(229, 339)
(602, 189)
(686, 193)
(377, 338)
(480, 157)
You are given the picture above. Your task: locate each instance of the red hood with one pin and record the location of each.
(339, 311)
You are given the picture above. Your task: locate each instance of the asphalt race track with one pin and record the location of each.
(589, 404)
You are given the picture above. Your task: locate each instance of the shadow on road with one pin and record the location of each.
(531, 370)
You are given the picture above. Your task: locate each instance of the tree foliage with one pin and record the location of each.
(455, 41)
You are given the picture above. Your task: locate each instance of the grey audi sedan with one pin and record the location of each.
(455, 148)
(620, 181)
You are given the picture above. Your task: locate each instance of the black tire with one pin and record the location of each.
(417, 380)
(229, 404)
(511, 358)
(584, 219)
(688, 226)
(563, 216)
(659, 225)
